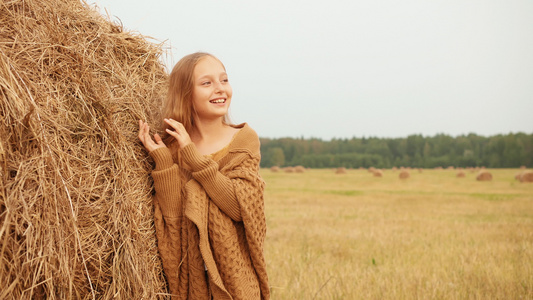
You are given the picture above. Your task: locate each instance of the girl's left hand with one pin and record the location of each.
(180, 134)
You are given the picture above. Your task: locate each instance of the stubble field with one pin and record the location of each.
(431, 236)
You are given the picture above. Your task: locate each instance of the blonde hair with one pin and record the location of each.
(178, 104)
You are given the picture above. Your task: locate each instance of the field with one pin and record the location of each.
(431, 236)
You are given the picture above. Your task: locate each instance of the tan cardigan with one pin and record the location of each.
(209, 213)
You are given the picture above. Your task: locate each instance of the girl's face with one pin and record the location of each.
(212, 92)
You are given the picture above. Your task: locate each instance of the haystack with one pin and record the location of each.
(460, 174)
(274, 169)
(299, 169)
(288, 169)
(404, 174)
(340, 170)
(484, 176)
(75, 196)
(526, 176)
(377, 173)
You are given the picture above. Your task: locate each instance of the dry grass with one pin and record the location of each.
(434, 236)
(75, 205)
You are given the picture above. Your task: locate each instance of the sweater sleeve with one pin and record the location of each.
(218, 186)
(167, 183)
(168, 214)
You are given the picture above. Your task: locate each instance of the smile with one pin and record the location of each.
(218, 101)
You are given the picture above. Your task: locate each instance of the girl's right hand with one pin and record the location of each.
(149, 143)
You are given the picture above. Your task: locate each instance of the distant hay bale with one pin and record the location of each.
(460, 174)
(274, 169)
(420, 170)
(522, 167)
(484, 176)
(451, 168)
(75, 192)
(341, 170)
(404, 174)
(394, 169)
(299, 169)
(371, 169)
(526, 176)
(288, 169)
(377, 173)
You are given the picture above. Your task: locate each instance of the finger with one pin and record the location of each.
(142, 131)
(158, 139)
(172, 133)
(174, 124)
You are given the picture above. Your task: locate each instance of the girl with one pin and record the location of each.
(209, 209)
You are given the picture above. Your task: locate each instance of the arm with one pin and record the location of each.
(218, 186)
(168, 213)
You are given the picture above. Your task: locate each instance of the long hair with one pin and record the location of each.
(178, 104)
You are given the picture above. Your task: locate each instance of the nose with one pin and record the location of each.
(219, 87)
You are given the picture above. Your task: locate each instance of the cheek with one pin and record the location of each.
(229, 91)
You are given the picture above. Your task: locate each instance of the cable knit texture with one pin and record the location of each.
(209, 213)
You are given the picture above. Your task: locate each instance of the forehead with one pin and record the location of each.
(208, 66)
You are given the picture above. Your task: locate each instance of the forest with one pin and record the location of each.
(499, 151)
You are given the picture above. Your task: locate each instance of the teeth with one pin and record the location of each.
(218, 101)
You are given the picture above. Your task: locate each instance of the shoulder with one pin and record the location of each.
(245, 139)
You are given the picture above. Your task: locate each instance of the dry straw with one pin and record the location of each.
(404, 174)
(75, 205)
(484, 176)
(526, 176)
(274, 169)
(299, 169)
(377, 173)
(340, 170)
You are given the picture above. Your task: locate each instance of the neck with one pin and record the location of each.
(205, 129)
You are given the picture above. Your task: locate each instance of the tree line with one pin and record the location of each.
(499, 151)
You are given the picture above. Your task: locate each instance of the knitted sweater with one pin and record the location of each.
(209, 214)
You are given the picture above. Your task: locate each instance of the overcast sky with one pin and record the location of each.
(342, 69)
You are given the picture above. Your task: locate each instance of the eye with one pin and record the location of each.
(206, 83)
(225, 80)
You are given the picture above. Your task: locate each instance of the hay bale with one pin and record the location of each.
(371, 170)
(299, 169)
(75, 194)
(275, 169)
(377, 173)
(288, 169)
(341, 170)
(522, 167)
(404, 174)
(460, 174)
(484, 176)
(526, 176)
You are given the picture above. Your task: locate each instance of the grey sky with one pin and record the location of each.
(340, 69)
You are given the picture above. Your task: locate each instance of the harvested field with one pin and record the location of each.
(430, 237)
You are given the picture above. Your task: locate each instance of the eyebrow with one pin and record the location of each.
(210, 76)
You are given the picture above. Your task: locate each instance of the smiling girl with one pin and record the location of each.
(209, 208)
